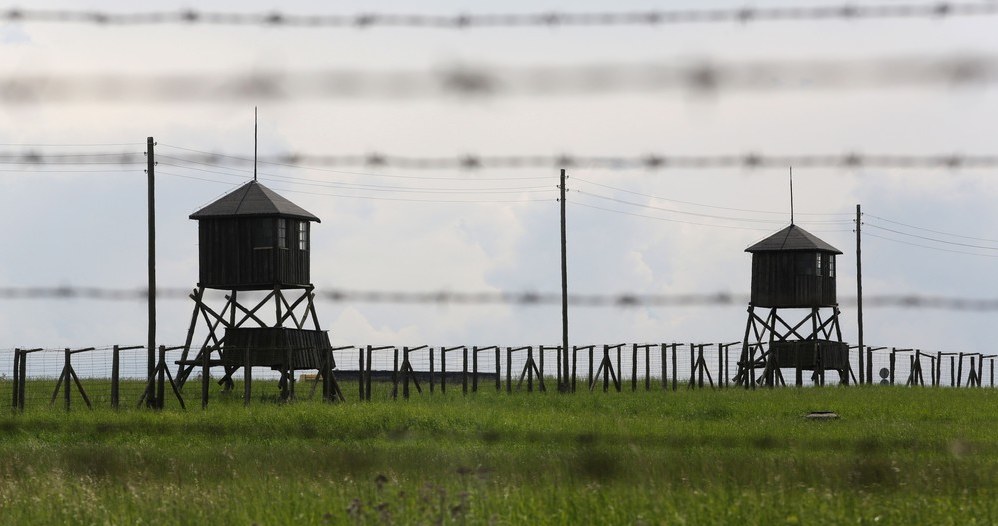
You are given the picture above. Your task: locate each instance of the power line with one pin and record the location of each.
(464, 21)
(930, 247)
(700, 204)
(361, 186)
(731, 227)
(929, 229)
(930, 238)
(379, 198)
(370, 187)
(700, 77)
(697, 214)
(502, 298)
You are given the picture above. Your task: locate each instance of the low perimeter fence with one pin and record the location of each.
(117, 376)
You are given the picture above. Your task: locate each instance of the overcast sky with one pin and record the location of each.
(88, 228)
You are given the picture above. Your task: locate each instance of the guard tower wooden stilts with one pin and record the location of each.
(254, 242)
(792, 271)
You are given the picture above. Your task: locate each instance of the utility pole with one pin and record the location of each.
(151, 190)
(564, 291)
(859, 291)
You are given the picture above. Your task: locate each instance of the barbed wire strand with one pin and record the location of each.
(652, 161)
(505, 298)
(697, 77)
(464, 21)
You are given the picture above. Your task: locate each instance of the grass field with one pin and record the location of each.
(897, 456)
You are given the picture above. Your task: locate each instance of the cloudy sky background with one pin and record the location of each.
(88, 228)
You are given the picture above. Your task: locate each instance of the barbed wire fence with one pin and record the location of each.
(666, 366)
(28, 157)
(652, 17)
(520, 298)
(115, 376)
(465, 80)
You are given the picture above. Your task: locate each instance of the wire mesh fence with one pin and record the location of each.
(117, 376)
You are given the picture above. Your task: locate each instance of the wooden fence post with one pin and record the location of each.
(474, 369)
(115, 372)
(431, 369)
(509, 370)
(634, 367)
(498, 371)
(17, 375)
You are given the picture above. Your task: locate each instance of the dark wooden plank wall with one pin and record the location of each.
(268, 346)
(790, 354)
(790, 279)
(231, 259)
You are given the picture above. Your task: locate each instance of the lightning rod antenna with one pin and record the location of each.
(254, 144)
(791, 195)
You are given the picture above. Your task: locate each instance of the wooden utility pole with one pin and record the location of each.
(564, 289)
(859, 290)
(151, 190)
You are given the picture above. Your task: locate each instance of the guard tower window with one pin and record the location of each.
(831, 266)
(817, 264)
(263, 234)
(282, 233)
(303, 235)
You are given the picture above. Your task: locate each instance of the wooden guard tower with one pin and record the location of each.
(256, 242)
(792, 271)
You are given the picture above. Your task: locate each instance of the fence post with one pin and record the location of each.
(21, 386)
(464, 371)
(205, 378)
(17, 373)
(562, 382)
(959, 372)
(647, 368)
(869, 365)
(431, 369)
(443, 370)
(591, 379)
(634, 367)
(530, 369)
(395, 368)
(498, 371)
(405, 373)
(540, 370)
(67, 380)
(665, 370)
(509, 370)
(675, 370)
(161, 378)
(115, 371)
(980, 370)
(952, 370)
(369, 366)
(474, 369)
(575, 362)
(893, 361)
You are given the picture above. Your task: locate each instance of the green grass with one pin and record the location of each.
(897, 455)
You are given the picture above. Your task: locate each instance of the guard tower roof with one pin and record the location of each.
(253, 199)
(792, 239)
